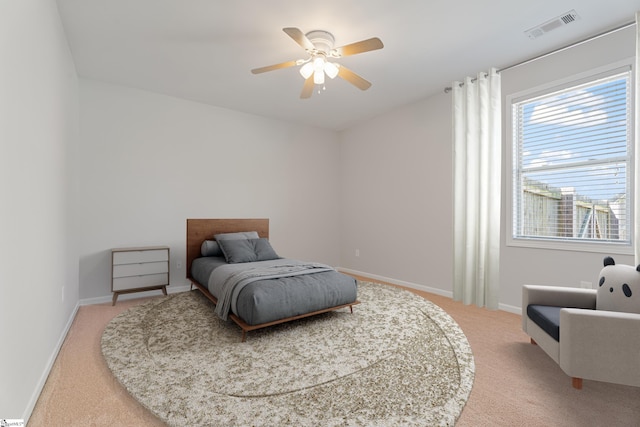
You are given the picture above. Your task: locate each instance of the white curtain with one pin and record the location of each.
(477, 169)
(636, 154)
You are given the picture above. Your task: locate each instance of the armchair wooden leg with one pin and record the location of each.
(576, 383)
(533, 342)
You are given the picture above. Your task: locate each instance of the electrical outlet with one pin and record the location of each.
(357, 252)
(585, 284)
(179, 265)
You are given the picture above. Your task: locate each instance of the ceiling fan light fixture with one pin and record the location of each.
(306, 70)
(331, 69)
(318, 70)
(318, 77)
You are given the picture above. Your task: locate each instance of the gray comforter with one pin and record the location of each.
(227, 281)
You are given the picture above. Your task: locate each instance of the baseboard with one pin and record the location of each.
(510, 309)
(52, 359)
(503, 307)
(398, 282)
(171, 289)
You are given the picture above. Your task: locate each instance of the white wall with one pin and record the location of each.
(148, 162)
(38, 125)
(397, 181)
(397, 189)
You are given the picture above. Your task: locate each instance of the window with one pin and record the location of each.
(571, 163)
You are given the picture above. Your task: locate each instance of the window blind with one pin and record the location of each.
(572, 155)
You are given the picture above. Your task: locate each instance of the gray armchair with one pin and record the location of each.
(592, 344)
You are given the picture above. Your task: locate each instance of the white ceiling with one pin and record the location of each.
(203, 50)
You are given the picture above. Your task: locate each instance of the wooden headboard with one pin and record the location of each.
(199, 230)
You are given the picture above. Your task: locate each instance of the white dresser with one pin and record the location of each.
(139, 269)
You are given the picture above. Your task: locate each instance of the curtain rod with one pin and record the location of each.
(560, 49)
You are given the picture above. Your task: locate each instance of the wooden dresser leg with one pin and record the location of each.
(115, 298)
(576, 383)
(164, 290)
(533, 342)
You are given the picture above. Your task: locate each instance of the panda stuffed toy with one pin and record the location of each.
(618, 287)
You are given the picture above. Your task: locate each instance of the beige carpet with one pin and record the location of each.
(397, 360)
(515, 384)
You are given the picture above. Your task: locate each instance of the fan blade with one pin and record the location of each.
(299, 37)
(275, 67)
(360, 47)
(353, 78)
(307, 89)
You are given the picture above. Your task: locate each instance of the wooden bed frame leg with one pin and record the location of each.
(533, 342)
(244, 335)
(576, 383)
(351, 308)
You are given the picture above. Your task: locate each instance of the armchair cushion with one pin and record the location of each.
(547, 317)
(556, 296)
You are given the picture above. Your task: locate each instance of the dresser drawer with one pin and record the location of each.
(124, 270)
(133, 257)
(133, 282)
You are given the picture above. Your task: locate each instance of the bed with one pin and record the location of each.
(250, 284)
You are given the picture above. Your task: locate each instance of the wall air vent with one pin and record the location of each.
(552, 24)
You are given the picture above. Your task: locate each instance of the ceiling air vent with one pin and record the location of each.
(552, 24)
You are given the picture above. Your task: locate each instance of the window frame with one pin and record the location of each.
(625, 248)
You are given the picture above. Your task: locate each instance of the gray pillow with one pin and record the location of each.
(247, 250)
(237, 236)
(210, 248)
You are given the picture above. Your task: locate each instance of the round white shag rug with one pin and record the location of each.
(398, 359)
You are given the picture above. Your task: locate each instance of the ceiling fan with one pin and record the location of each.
(319, 46)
